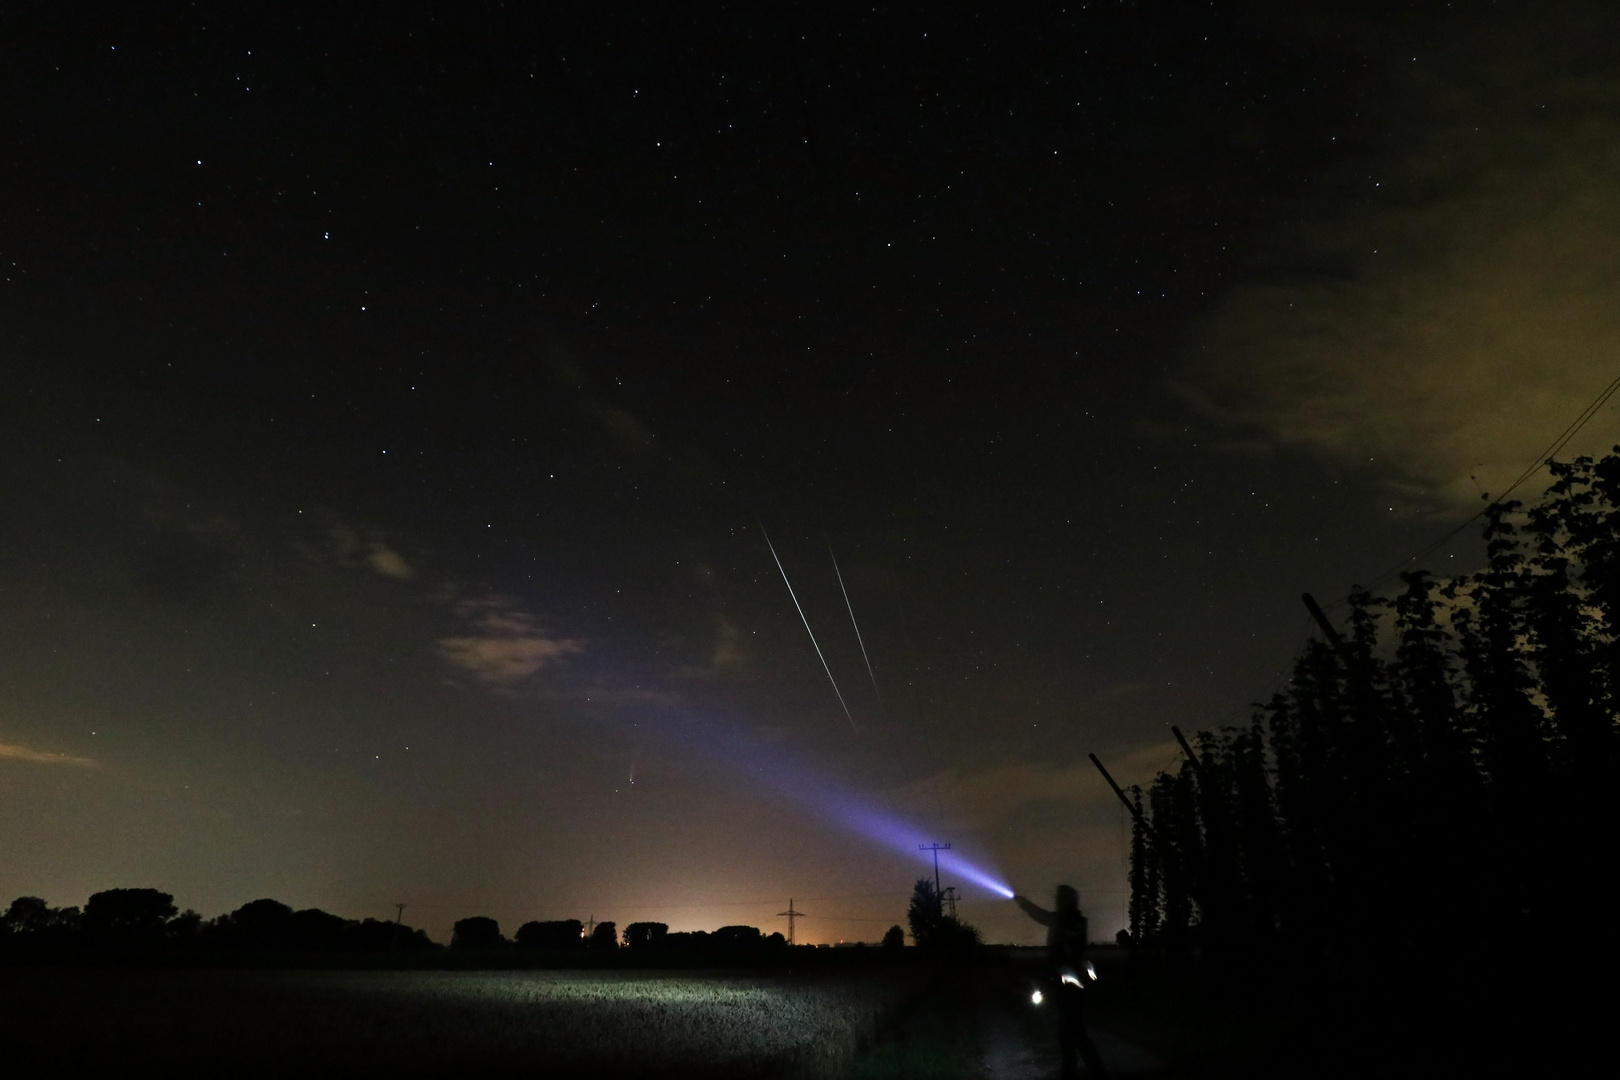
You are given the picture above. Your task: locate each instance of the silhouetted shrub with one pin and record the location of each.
(736, 937)
(30, 919)
(477, 933)
(262, 924)
(687, 939)
(605, 936)
(641, 935)
(128, 916)
(557, 934)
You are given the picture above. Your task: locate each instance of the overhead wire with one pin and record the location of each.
(1562, 440)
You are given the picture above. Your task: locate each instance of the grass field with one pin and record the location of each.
(556, 1024)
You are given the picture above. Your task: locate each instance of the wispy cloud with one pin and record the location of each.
(346, 544)
(389, 563)
(989, 796)
(13, 752)
(507, 646)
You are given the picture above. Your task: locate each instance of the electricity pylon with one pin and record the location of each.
(790, 915)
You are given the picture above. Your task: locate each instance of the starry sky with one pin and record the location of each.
(397, 399)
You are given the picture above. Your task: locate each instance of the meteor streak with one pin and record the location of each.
(824, 666)
(852, 621)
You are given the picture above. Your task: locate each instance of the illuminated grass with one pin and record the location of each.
(566, 1023)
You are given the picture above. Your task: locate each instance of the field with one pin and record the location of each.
(551, 1023)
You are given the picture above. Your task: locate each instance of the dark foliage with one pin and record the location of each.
(605, 936)
(558, 934)
(926, 910)
(931, 928)
(642, 935)
(1442, 777)
(478, 933)
(30, 918)
(261, 923)
(737, 937)
(894, 938)
(128, 916)
(271, 926)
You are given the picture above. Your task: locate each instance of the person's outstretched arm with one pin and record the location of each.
(1039, 914)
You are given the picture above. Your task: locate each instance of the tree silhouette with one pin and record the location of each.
(894, 938)
(642, 935)
(128, 916)
(926, 910)
(478, 933)
(605, 936)
(1460, 741)
(931, 928)
(30, 919)
(737, 937)
(557, 934)
(257, 924)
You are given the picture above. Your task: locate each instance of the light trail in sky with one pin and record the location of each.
(824, 665)
(853, 623)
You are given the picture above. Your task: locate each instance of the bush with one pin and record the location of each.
(478, 932)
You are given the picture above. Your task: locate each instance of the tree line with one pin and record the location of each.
(147, 920)
(481, 933)
(1438, 776)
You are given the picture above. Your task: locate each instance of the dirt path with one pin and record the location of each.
(1019, 1046)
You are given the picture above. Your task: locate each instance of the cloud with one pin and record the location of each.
(348, 546)
(989, 797)
(13, 752)
(727, 651)
(1456, 301)
(388, 562)
(629, 432)
(508, 645)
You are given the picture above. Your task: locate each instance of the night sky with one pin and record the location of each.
(396, 400)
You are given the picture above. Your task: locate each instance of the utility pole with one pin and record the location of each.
(590, 925)
(1192, 758)
(399, 914)
(936, 849)
(950, 900)
(790, 915)
(1321, 619)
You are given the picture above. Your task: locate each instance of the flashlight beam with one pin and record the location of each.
(824, 666)
(852, 621)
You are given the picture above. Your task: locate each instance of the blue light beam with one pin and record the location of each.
(774, 772)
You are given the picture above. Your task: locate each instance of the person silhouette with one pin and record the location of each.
(1065, 952)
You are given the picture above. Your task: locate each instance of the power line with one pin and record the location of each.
(1572, 429)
